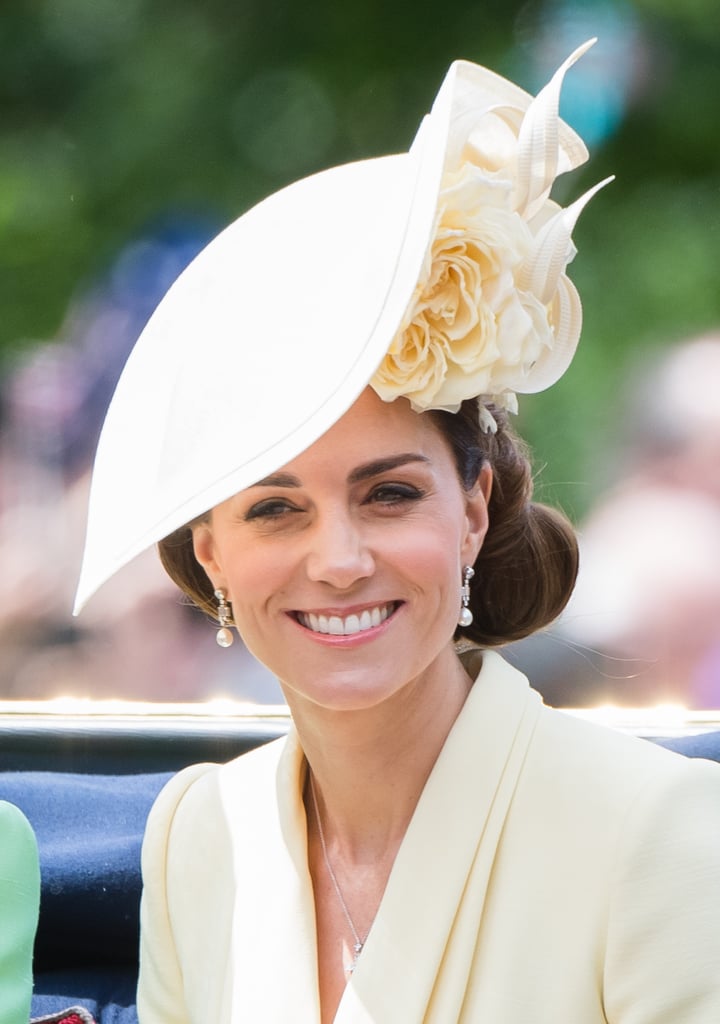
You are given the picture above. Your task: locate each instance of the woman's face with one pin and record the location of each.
(344, 567)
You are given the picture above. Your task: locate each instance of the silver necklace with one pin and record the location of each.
(358, 943)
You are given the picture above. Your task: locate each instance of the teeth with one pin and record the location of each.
(335, 625)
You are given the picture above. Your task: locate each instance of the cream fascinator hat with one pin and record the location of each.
(437, 274)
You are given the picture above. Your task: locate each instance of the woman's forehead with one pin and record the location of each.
(373, 435)
(374, 426)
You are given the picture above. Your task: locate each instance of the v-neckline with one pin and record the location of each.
(447, 841)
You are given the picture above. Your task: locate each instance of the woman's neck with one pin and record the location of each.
(370, 766)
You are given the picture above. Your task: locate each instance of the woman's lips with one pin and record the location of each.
(346, 625)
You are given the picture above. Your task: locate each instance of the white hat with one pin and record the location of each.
(273, 331)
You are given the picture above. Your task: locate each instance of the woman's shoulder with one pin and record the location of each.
(616, 772)
(570, 752)
(196, 790)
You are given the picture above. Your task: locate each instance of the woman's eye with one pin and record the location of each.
(395, 494)
(270, 508)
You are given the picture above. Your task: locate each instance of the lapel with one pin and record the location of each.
(274, 956)
(417, 958)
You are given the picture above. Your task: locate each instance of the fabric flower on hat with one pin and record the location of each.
(493, 312)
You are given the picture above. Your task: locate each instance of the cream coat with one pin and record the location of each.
(554, 872)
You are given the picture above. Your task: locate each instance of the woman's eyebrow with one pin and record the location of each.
(378, 466)
(278, 480)
(364, 472)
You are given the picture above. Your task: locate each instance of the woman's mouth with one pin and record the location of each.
(347, 625)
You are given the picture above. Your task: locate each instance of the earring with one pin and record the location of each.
(466, 616)
(224, 636)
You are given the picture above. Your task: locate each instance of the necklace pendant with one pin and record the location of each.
(357, 950)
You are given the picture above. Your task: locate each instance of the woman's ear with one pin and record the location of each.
(476, 512)
(204, 548)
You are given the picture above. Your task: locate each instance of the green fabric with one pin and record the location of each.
(19, 906)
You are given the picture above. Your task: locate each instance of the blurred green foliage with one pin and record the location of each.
(114, 112)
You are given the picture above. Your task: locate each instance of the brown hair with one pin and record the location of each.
(178, 558)
(528, 563)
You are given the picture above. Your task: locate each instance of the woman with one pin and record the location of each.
(314, 427)
(19, 905)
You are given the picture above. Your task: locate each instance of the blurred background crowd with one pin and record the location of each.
(131, 132)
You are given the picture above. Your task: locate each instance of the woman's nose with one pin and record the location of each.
(338, 554)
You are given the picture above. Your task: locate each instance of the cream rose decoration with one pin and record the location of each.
(493, 313)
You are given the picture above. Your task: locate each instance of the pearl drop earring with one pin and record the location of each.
(224, 636)
(466, 616)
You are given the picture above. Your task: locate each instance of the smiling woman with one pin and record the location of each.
(371, 520)
(429, 843)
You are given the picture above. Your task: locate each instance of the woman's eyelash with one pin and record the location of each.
(270, 508)
(390, 494)
(383, 494)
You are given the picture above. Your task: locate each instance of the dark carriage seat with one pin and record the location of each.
(87, 788)
(87, 793)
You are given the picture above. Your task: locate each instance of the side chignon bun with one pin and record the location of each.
(528, 564)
